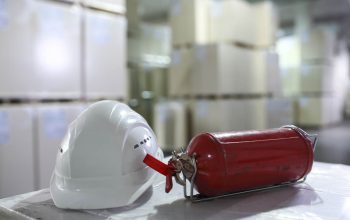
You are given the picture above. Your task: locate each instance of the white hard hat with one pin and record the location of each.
(100, 161)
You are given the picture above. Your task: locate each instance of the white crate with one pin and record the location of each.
(171, 125)
(150, 44)
(318, 44)
(57, 72)
(290, 80)
(16, 150)
(16, 53)
(266, 24)
(40, 50)
(189, 22)
(204, 116)
(274, 80)
(279, 112)
(317, 111)
(53, 121)
(228, 115)
(204, 21)
(106, 73)
(316, 79)
(227, 69)
(180, 72)
(289, 51)
(240, 21)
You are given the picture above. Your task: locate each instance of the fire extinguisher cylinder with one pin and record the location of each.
(237, 161)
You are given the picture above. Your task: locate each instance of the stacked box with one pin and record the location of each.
(228, 115)
(57, 70)
(315, 111)
(319, 44)
(47, 34)
(316, 72)
(241, 114)
(180, 72)
(105, 51)
(279, 111)
(206, 21)
(274, 80)
(150, 44)
(221, 69)
(16, 43)
(189, 22)
(250, 24)
(171, 125)
(290, 80)
(316, 79)
(53, 121)
(17, 157)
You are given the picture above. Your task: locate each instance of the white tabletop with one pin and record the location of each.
(324, 195)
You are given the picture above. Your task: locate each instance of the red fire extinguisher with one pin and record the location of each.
(229, 163)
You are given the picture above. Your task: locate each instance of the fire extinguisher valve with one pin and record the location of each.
(184, 164)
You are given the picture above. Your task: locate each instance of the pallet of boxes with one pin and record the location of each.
(223, 67)
(316, 75)
(324, 75)
(69, 53)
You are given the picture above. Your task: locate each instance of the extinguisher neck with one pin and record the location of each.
(311, 137)
(184, 164)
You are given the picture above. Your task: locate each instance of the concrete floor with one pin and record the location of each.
(333, 143)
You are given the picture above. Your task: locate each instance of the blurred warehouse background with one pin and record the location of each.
(187, 66)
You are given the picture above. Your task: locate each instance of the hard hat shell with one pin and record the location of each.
(100, 161)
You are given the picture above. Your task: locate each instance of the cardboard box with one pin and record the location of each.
(231, 21)
(53, 122)
(221, 69)
(228, 115)
(289, 51)
(40, 50)
(57, 57)
(239, 21)
(189, 22)
(290, 78)
(16, 54)
(318, 44)
(315, 111)
(180, 72)
(171, 125)
(274, 80)
(204, 21)
(17, 173)
(266, 24)
(280, 112)
(316, 79)
(106, 73)
(150, 44)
